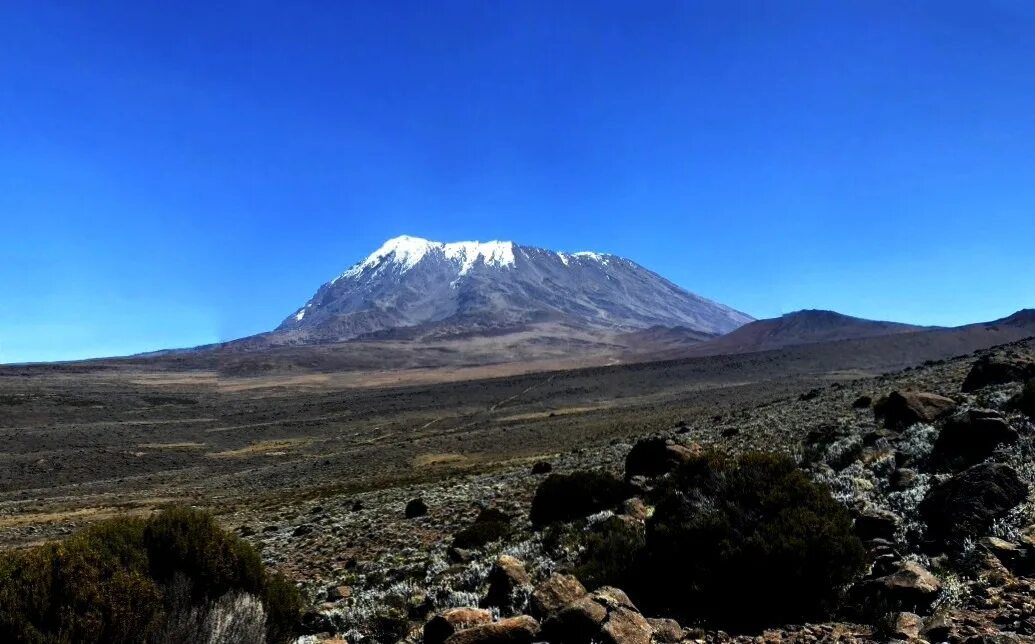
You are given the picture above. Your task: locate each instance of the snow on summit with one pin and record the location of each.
(405, 252)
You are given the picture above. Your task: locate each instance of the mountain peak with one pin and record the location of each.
(475, 286)
(406, 251)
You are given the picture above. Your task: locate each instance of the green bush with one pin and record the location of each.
(490, 525)
(610, 552)
(565, 497)
(745, 542)
(1025, 401)
(119, 580)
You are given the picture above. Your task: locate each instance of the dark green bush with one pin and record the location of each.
(490, 525)
(611, 551)
(745, 542)
(119, 581)
(565, 497)
(1025, 401)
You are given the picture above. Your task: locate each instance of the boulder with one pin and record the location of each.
(506, 577)
(998, 369)
(968, 503)
(654, 457)
(905, 626)
(666, 631)
(606, 615)
(416, 508)
(862, 402)
(971, 437)
(903, 478)
(554, 594)
(542, 467)
(514, 630)
(910, 587)
(440, 627)
(904, 408)
(338, 593)
(876, 523)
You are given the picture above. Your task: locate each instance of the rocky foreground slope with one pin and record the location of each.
(936, 477)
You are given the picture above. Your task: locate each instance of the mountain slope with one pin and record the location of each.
(466, 287)
(800, 327)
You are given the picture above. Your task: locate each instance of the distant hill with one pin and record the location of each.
(800, 327)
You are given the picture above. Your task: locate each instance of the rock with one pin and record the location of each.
(966, 504)
(876, 523)
(606, 615)
(998, 369)
(971, 437)
(666, 631)
(905, 626)
(357, 506)
(506, 577)
(904, 408)
(903, 478)
(416, 508)
(654, 457)
(909, 587)
(554, 594)
(542, 467)
(862, 402)
(515, 630)
(441, 626)
(338, 593)
(938, 628)
(302, 530)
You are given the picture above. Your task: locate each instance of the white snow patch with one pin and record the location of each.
(406, 252)
(597, 257)
(493, 253)
(300, 314)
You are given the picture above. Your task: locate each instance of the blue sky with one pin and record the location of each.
(178, 173)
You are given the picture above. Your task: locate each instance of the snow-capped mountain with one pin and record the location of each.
(462, 287)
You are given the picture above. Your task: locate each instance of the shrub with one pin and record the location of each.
(130, 579)
(490, 525)
(1025, 401)
(744, 543)
(565, 497)
(611, 550)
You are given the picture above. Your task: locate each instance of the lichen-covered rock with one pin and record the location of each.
(554, 594)
(998, 369)
(904, 408)
(507, 576)
(966, 504)
(911, 587)
(514, 630)
(971, 437)
(607, 615)
(440, 627)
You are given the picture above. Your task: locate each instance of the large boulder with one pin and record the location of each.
(506, 578)
(900, 409)
(911, 587)
(441, 626)
(416, 508)
(968, 503)
(655, 456)
(554, 594)
(971, 437)
(876, 523)
(515, 630)
(998, 369)
(606, 615)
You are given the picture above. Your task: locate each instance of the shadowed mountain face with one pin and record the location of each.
(411, 283)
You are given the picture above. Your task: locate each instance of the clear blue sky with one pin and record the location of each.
(179, 173)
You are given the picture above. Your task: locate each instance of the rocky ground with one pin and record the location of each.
(938, 479)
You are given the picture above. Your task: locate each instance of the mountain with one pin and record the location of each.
(413, 287)
(800, 327)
